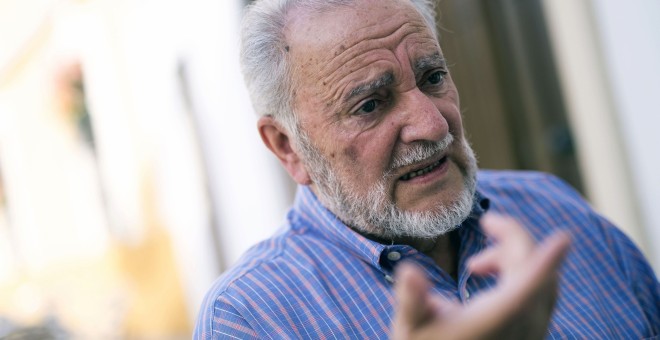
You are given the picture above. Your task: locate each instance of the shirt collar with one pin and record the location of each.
(309, 215)
(318, 220)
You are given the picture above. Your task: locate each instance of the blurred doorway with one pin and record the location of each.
(500, 58)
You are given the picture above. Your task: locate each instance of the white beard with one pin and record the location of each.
(375, 214)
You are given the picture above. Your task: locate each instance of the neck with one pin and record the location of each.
(445, 253)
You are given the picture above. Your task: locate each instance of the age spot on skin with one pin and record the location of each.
(287, 48)
(351, 153)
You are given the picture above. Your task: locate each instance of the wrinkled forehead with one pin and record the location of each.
(336, 40)
(335, 26)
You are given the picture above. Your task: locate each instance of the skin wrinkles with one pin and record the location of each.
(363, 152)
(375, 31)
(390, 128)
(355, 61)
(349, 55)
(393, 124)
(421, 66)
(388, 40)
(345, 92)
(351, 94)
(430, 62)
(371, 86)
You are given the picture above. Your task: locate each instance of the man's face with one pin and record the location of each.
(380, 116)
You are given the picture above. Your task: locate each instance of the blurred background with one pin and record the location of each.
(132, 174)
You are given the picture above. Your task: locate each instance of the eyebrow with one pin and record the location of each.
(383, 81)
(421, 64)
(428, 62)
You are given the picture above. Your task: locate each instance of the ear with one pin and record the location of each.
(277, 140)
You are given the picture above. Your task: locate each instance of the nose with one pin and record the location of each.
(422, 120)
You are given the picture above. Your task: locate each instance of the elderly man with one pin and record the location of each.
(357, 103)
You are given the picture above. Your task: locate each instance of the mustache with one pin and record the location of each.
(420, 152)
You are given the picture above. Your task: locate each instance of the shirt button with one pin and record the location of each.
(389, 279)
(467, 295)
(394, 256)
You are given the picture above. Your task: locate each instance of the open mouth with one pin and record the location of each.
(423, 171)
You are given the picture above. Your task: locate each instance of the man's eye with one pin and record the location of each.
(436, 78)
(368, 107)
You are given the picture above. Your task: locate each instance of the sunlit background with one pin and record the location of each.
(132, 174)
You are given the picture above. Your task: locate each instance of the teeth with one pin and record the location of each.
(420, 172)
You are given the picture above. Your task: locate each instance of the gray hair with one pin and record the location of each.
(266, 70)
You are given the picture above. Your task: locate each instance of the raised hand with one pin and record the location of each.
(518, 307)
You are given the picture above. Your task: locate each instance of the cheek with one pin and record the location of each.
(362, 164)
(451, 113)
(455, 123)
(351, 153)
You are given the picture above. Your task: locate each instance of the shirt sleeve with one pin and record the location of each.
(641, 277)
(218, 319)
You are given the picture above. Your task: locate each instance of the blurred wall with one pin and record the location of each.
(132, 173)
(631, 48)
(607, 54)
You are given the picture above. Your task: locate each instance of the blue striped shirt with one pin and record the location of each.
(319, 279)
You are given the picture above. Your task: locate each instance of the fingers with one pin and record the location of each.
(535, 289)
(504, 229)
(519, 306)
(526, 270)
(419, 312)
(513, 245)
(513, 241)
(548, 256)
(554, 248)
(538, 279)
(485, 262)
(412, 293)
(522, 302)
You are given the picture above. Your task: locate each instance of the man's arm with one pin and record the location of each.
(520, 306)
(640, 276)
